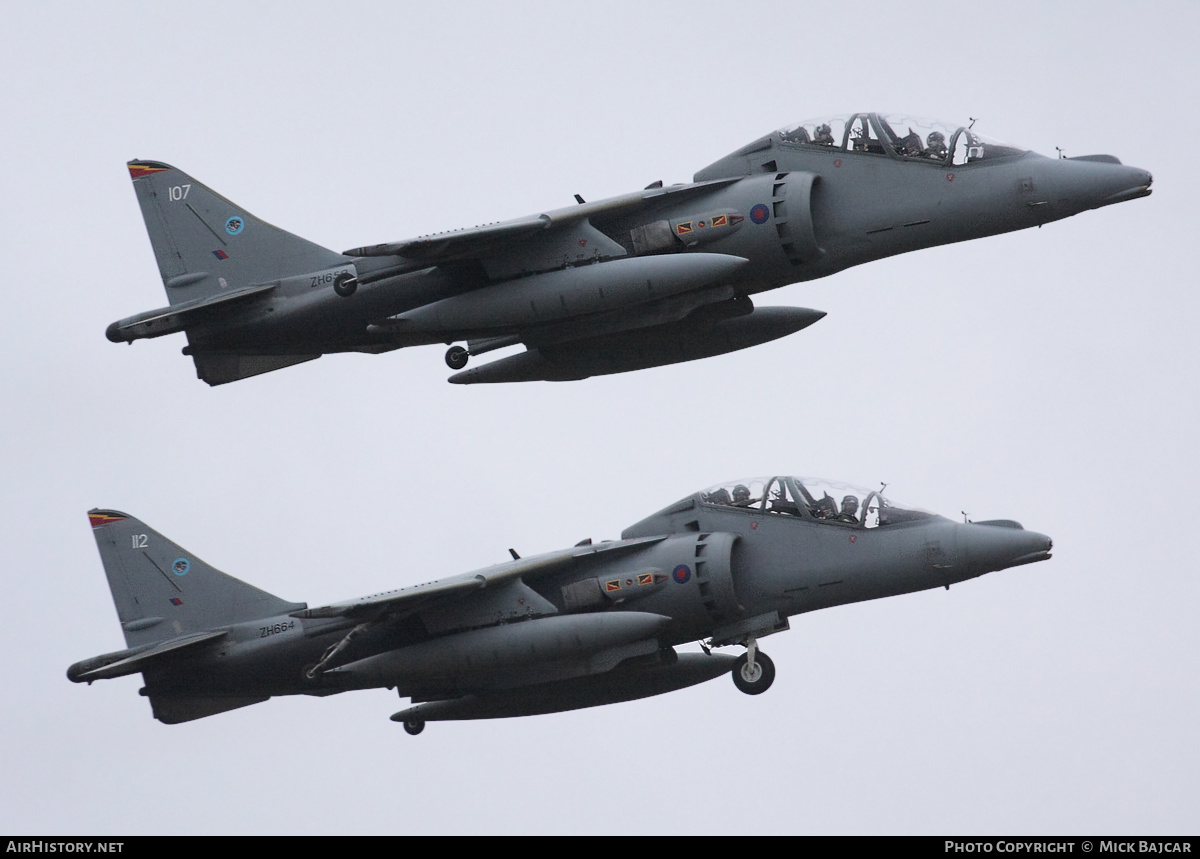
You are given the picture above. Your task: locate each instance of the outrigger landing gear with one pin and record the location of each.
(754, 672)
(414, 726)
(345, 284)
(456, 357)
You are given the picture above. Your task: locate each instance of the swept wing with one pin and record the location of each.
(481, 240)
(408, 600)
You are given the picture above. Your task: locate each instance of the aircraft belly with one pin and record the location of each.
(509, 653)
(667, 673)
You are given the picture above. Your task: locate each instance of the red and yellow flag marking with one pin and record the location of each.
(98, 519)
(137, 171)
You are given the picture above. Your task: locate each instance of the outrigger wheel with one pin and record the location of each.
(456, 357)
(345, 284)
(414, 726)
(754, 672)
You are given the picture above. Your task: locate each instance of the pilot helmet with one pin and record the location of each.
(741, 492)
(850, 504)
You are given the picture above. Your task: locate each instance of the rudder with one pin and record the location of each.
(205, 244)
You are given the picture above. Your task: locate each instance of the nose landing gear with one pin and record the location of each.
(414, 726)
(754, 672)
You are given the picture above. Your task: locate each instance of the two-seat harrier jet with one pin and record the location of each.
(653, 277)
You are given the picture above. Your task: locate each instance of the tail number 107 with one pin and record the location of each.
(178, 192)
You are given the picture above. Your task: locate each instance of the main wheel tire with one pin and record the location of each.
(345, 284)
(414, 726)
(310, 680)
(756, 681)
(456, 357)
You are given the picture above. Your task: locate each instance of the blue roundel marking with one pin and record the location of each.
(682, 574)
(235, 225)
(180, 566)
(758, 214)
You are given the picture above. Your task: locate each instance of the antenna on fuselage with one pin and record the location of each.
(973, 121)
(882, 486)
(1061, 154)
(965, 519)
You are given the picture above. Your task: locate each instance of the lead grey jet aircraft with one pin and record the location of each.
(589, 625)
(655, 277)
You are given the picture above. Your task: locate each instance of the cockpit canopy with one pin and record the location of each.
(898, 135)
(813, 498)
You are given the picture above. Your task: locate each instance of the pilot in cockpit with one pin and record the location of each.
(935, 146)
(741, 495)
(849, 510)
(823, 135)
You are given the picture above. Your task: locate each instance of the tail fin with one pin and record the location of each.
(163, 591)
(204, 244)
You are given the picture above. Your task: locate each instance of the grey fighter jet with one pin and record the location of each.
(589, 625)
(654, 277)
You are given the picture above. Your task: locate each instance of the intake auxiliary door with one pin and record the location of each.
(687, 577)
(791, 206)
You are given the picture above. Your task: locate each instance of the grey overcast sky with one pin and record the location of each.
(1048, 376)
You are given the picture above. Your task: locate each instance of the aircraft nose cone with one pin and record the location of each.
(1092, 181)
(990, 547)
(1133, 182)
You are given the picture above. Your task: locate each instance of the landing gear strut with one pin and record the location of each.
(754, 672)
(456, 357)
(414, 726)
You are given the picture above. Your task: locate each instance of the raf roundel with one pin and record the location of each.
(682, 574)
(760, 213)
(181, 566)
(234, 225)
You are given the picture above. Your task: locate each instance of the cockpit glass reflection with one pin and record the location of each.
(813, 498)
(899, 135)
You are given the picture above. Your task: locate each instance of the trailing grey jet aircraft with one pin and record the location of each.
(655, 277)
(589, 625)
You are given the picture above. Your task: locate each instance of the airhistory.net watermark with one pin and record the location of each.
(43, 845)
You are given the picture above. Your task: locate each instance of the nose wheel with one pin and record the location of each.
(754, 672)
(414, 726)
(456, 357)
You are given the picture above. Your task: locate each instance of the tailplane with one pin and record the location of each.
(162, 591)
(206, 245)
